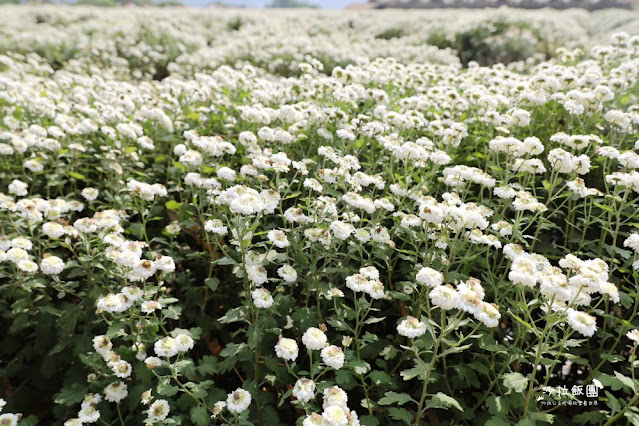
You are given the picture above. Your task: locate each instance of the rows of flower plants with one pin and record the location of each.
(378, 240)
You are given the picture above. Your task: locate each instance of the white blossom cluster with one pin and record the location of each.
(331, 195)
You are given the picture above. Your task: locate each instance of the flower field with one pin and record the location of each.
(316, 218)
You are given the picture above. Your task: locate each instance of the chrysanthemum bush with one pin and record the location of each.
(384, 243)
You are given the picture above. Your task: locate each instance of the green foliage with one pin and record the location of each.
(490, 43)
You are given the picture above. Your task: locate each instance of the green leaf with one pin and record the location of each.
(345, 379)
(339, 325)
(441, 400)
(633, 418)
(380, 378)
(212, 283)
(498, 421)
(515, 381)
(369, 420)
(611, 382)
(232, 349)
(390, 398)
(411, 373)
(71, 394)
(604, 207)
(200, 416)
(253, 334)
(613, 403)
(209, 365)
(172, 205)
(29, 421)
(527, 325)
(233, 315)
(400, 414)
(541, 417)
(76, 175)
(627, 381)
(494, 404)
(591, 417)
(165, 388)
(359, 367)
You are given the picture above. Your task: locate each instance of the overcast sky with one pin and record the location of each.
(327, 4)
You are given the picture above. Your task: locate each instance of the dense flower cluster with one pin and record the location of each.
(204, 225)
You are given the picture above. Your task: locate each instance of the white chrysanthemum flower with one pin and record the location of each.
(51, 265)
(166, 347)
(238, 401)
(469, 300)
(173, 228)
(215, 226)
(335, 416)
(158, 411)
(9, 419)
(444, 297)
(16, 255)
(287, 349)
(102, 344)
(380, 235)
(257, 274)
(19, 188)
(314, 339)
(184, 342)
(53, 230)
(217, 408)
(523, 271)
(226, 174)
(287, 273)
(113, 303)
(341, 230)
(376, 290)
(152, 362)
(150, 306)
(333, 356)
(142, 270)
(634, 336)
(27, 266)
(91, 399)
(334, 396)
(115, 392)
(489, 314)
(582, 322)
(504, 192)
(121, 369)
(411, 327)
(247, 203)
(313, 420)
(85, 225)
(262, 298)
(370, 272)
(429, 277)
(22, 242)
(88, 414)
(358, 282)
(90, 194)
(313, 184)
(278, 238)
(632, 242)
(165, 264)
(304, 390)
